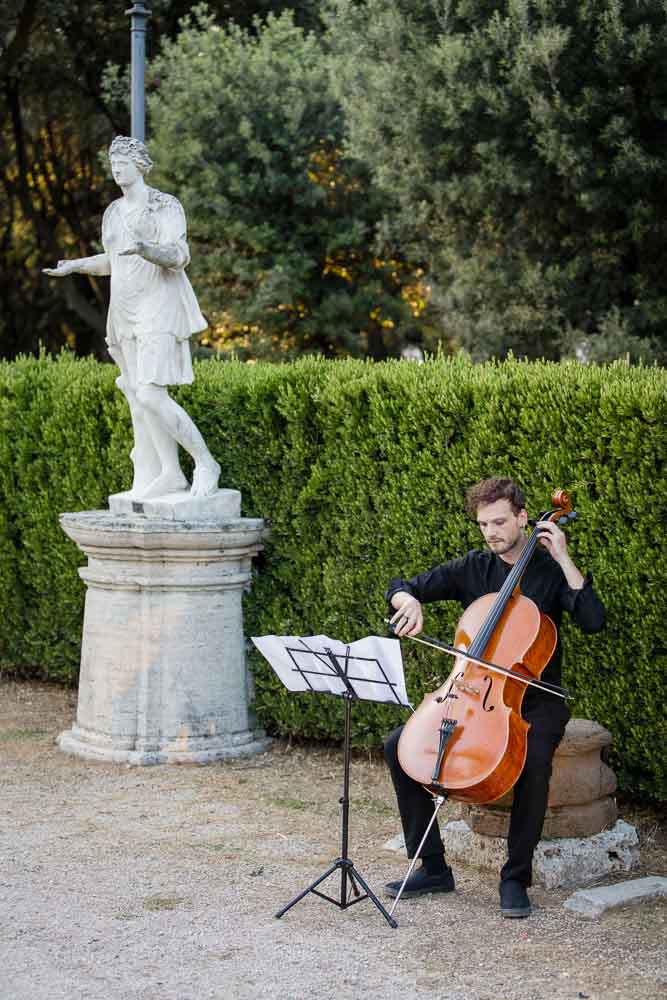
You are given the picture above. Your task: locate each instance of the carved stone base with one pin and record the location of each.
(163, 672)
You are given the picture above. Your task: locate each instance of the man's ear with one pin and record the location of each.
(523, 517)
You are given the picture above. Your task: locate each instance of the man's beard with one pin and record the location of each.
(502, 548)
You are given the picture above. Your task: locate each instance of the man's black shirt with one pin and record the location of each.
(482, 572)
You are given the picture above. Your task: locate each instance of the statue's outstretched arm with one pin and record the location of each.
(99, 265)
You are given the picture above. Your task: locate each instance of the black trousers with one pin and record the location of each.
(548, 717)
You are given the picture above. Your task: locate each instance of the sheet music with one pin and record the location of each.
(373, 666)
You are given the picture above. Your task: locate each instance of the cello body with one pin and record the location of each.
(487, 750)
(467, 740)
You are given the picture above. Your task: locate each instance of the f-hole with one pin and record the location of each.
(489, 683)
(450, 693)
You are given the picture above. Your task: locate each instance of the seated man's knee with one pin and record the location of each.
(123, 383)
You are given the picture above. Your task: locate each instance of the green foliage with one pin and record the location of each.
(246, 129)
(361, 469)
(62, 423)
(524, 141)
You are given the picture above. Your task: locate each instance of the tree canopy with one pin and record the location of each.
(502, 160)
(525, 141)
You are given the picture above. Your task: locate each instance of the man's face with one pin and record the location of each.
(503, 530)
(124, 170)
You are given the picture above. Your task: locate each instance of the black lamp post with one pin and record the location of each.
(139, 14)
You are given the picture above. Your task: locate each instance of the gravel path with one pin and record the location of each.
(121, 883)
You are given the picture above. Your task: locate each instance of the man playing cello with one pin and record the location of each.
(554, 584)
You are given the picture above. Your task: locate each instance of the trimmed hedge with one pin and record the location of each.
(361, 469)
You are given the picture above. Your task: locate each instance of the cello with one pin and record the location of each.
(467, 740)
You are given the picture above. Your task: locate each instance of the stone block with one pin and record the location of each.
(592, 903)
(180, 506)
(579, 774)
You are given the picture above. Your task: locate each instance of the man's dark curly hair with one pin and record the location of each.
(489, 490)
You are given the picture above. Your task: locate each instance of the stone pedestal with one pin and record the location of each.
(163, 671)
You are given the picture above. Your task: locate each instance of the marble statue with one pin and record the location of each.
(152, 314)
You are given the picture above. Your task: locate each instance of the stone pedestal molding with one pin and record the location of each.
(163, 671)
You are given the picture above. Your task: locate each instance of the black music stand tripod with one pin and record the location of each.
(348, 872)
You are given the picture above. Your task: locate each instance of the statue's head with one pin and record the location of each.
(131, 149)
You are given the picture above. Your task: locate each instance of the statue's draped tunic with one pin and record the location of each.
(153, 310)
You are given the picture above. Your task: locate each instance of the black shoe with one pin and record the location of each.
(421, 883)
(514, 900)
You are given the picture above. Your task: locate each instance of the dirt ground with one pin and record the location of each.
(120, 883)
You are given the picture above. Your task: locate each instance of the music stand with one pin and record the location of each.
(370, 669)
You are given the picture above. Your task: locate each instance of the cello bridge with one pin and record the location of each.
(468, 688)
